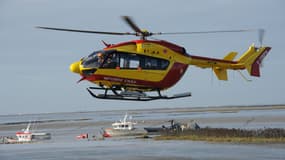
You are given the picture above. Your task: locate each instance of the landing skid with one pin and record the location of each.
(136, 96)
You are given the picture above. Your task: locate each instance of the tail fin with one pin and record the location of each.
(252, 59)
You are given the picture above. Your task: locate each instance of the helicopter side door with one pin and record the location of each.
(142, 67)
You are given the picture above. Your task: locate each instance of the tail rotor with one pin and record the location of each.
(261, 33)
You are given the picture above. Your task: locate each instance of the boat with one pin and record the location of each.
(174, 126)
(82, 136)
(124, 127)
(27, 135)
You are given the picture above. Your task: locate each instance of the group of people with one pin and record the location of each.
(110, 61)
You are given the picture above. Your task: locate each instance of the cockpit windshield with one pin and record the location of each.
(95, 59)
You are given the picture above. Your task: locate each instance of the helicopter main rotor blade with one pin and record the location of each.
(131, 23)
(86, 31)
(206, 32)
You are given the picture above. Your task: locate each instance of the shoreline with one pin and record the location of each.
(224, 108)
(265, 135)
(245, 140)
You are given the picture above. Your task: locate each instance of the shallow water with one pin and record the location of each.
(63, 144)
(140, 149)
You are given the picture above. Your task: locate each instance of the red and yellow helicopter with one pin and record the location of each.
(131, 69)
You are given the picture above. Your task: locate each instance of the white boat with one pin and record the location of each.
(27, 135)
(124, 127)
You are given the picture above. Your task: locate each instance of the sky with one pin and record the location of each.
(34, 63)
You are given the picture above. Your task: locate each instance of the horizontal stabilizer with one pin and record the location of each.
(221, 73)
(231, 56)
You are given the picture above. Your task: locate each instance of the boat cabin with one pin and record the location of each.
(124, 124)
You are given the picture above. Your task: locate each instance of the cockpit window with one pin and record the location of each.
(95, 59)
(111, 59)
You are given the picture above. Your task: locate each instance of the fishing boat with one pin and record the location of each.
(125, 127)
(27, 135)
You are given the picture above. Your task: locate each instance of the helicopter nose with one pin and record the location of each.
(74, 67)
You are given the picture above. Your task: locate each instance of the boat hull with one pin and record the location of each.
(110, 132)
(154, 130)
(41, 136)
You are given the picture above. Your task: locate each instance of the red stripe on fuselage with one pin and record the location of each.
(172, 77)
(213, 59)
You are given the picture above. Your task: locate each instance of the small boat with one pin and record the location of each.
(82, 136)
(124, 127)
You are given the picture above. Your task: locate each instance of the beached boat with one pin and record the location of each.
(174, 126)
(124, 127)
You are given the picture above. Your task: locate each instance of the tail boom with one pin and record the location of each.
(250, 60)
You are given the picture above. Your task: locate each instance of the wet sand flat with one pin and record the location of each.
(64, 127)
(223, 115)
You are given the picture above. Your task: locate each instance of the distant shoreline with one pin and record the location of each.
(181, 109)
(170, 113)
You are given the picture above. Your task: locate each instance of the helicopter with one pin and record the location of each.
(132, 70)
